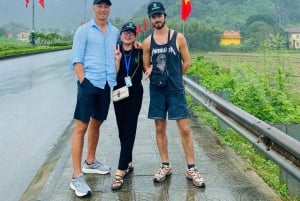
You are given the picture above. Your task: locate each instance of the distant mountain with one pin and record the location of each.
(232, 14)
(61, 14)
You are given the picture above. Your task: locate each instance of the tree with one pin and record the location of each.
(199, 35)
(259, 31)
(256, 33)
(2, 32)
(263, 18)
(51, 37)
(15, 28)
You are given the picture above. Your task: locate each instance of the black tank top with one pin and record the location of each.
(166, 57)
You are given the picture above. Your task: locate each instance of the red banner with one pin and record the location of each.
(42, 3)
(26, 3)
(186, 9)
(138, 29)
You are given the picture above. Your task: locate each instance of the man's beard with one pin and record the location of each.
(160, 25)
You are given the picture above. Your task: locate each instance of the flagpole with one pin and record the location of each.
(84, 12)
(32, 32)
(33, 16)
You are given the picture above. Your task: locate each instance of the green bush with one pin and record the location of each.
(208, 73)
(260, 92)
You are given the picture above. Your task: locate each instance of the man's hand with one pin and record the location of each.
(148, 72)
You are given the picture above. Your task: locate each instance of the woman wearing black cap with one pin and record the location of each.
(129, 65)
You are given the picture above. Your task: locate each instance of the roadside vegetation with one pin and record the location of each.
(262, 88)
(258, 85)
(43, 42)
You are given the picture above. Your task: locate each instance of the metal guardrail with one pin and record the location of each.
(273, 143)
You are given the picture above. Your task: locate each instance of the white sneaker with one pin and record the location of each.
(95, 168)
(80, 187)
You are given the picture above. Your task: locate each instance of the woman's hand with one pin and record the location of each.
(118, 54)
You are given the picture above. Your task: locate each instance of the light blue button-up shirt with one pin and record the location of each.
(96, 52)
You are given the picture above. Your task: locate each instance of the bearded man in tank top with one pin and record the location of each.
(166, 58)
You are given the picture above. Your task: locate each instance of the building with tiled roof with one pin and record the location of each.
(231, 38)
(294, 37)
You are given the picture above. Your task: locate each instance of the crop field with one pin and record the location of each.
(270, 63)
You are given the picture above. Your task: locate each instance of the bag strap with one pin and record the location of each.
(152, 39)
(169, 35)
(137, 65)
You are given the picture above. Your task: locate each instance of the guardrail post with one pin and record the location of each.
(223, 94)
(293, 184)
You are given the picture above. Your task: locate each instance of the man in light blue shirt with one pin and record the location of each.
(93, 60)
(95, 50)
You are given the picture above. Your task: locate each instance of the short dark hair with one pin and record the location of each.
(108, 2)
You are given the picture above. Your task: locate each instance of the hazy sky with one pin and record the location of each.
(62, 14)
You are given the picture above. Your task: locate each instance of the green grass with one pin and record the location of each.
(27, 50)
(9, 47)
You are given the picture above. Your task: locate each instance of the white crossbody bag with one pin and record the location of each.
(120, 94)
(123, 92)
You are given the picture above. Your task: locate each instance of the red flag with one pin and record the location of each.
(26, 3)
(42, 3)
(138, 30)
(145, 24)
(186, 9)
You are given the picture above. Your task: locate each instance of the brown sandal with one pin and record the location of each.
(117, 182)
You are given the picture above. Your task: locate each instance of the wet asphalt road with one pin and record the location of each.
(37, 98)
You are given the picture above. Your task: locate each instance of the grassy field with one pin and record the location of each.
(289, 62)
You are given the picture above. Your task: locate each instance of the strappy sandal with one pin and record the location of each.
(117, 183)
(129, 169)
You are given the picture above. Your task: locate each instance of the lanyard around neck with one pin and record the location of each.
(127, 60)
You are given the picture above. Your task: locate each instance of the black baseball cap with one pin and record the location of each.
(129, 26)
(156, 7)
(102, 1)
